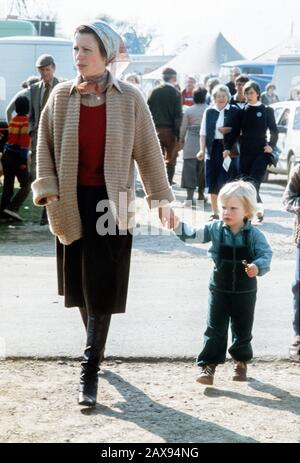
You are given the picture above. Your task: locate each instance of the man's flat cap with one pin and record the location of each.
(44, 60)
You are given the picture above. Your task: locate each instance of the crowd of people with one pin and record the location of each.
(85, 137)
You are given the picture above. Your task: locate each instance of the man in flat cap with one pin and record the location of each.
(39, 94)
(165, 106)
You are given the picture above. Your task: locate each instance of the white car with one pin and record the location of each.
(287, 116)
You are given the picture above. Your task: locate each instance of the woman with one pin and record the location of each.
(218, 126)
(91, 131)
(255, 121)
(193, 170)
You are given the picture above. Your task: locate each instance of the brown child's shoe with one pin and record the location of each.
(207, 375)
(239, 371)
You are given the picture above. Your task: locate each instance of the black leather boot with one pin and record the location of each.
(97, 330)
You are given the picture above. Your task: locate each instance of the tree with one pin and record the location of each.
(136, 42)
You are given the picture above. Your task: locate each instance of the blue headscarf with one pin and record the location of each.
(112, 41)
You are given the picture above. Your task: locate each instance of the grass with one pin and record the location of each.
(31, 215)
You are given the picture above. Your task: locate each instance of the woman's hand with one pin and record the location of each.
(251, 270)
(200, 155)
(168, 218)
(225, 130)
(268, 149)
(51, 199)
(226, 153)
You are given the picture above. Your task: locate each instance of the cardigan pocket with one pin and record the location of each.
(55, 215)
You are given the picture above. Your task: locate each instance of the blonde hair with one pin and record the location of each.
(242, 190)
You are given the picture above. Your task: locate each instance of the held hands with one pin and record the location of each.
(251, 270)
(268, 149)
(168, 218)
(226, 153)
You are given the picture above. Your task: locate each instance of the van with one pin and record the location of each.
(287, 116)
(13, 27)
(262, 72)
(18, 58)
(287, 74)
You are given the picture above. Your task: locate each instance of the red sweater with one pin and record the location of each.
(92, 131)
(18, 135)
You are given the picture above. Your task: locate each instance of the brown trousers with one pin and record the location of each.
(169, 145)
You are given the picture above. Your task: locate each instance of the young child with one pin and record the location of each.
(240, 253)
(15, 161)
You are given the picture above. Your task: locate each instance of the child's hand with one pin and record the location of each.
(251, 270)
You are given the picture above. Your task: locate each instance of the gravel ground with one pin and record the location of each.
(149, 402)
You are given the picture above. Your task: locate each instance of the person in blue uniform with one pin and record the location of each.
(255, 121)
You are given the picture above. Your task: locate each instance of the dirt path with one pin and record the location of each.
(149, 403)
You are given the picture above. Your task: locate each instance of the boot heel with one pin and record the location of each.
(88, 393)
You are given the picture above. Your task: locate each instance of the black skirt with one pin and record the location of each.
(93, 272)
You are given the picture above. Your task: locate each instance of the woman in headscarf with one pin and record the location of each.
(91, 131)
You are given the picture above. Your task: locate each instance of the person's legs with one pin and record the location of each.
(97, 331)
(201, 181)
(190, 194)
(23, 179)
(215, 336)
(296, 294)
(9, 179)
(168, 144)
(294, 350)
(242, 317)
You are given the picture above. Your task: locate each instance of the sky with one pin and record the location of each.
(252, 27)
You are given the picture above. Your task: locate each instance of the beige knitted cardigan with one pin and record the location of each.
(130, 135)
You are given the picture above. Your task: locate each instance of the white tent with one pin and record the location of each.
(204, 56)
(289, 46)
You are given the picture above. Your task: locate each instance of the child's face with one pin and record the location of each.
(233, 212)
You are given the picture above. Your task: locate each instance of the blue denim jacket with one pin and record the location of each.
(260, 249)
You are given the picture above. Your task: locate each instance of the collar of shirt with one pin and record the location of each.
(214, 106)
(169, 83)
(246, 226)
(259, 103)
(49, 83)
(112, 81)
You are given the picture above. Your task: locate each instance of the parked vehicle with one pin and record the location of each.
(262, 73)
(287, 116)
(287, 75)
(18, 58)
(16, 27)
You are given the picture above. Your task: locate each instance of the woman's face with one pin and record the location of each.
(221, 99)
(87, 56)
(251, 96)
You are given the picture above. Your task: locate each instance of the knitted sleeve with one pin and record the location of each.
(46, 183)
